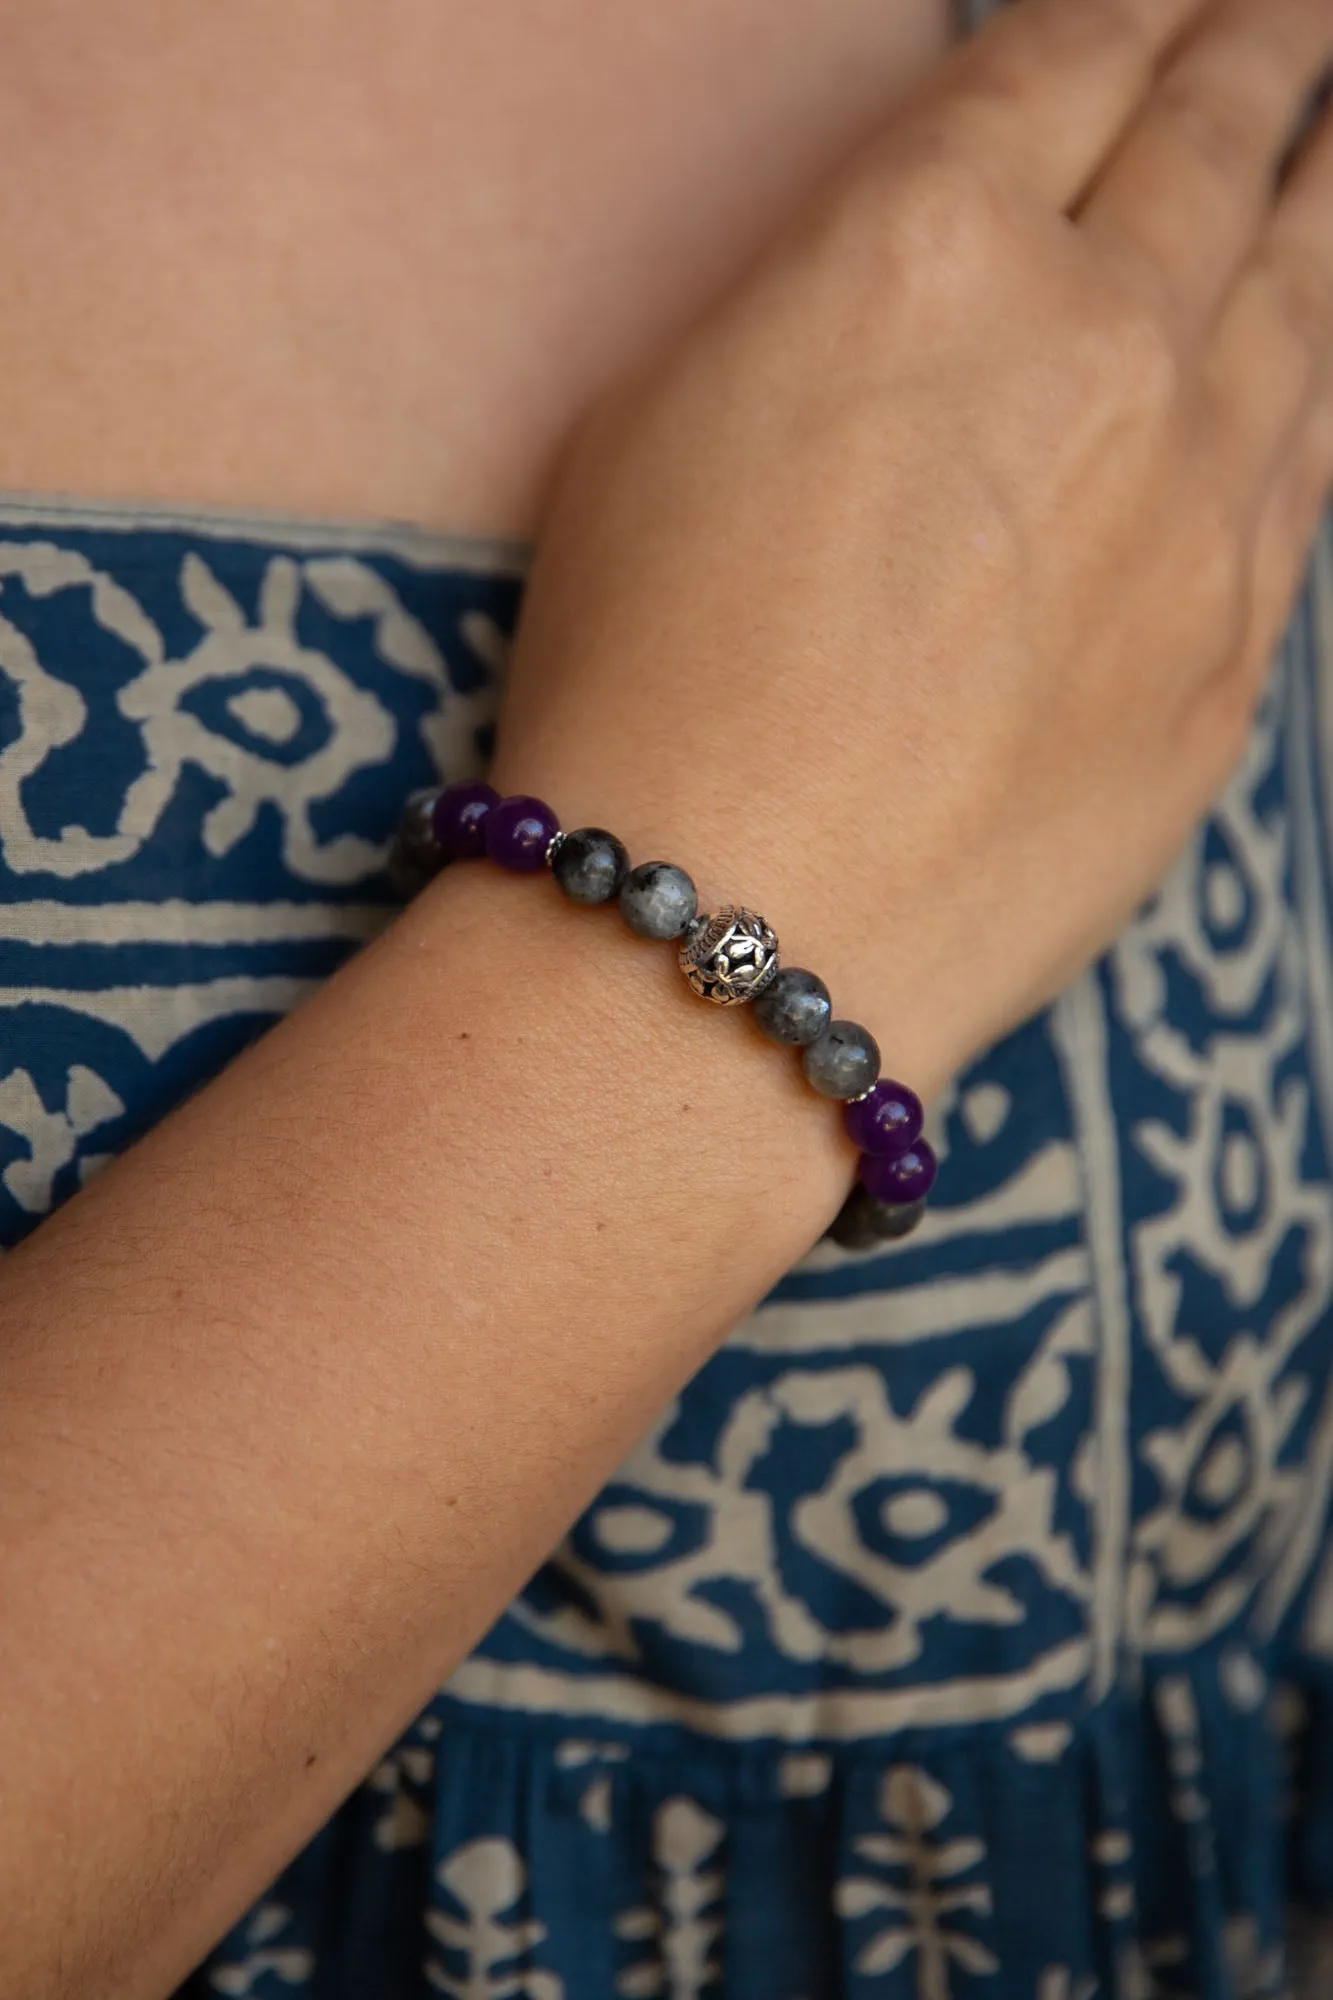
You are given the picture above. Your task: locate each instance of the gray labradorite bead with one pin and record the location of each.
(796, 1008)
(415, 856)
(863, 1223)
(844, 1062)
(893, 1219)
(590, 864)
(658, 901)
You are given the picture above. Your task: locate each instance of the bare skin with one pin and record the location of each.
(1007, 452)
(369, 260)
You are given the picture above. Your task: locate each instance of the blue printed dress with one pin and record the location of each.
(964, 1631)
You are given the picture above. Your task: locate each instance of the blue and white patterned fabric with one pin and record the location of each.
(205, 737)
(961, 1630)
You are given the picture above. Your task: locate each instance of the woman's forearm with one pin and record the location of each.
(295, 1396)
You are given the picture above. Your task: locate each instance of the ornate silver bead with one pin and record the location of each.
(553, 847)
(731, 957)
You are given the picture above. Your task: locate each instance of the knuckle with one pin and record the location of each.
(1302, 286)
(1012, 56)
(1122, 24)
(945, 220)
(1214, 580)
(1214, 519)
(1131, 354)
(1216, 124)
(1101, 29)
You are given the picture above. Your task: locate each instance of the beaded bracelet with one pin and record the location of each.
(730, 957)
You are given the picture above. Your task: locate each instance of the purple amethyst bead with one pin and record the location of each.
(518, 833)
(887, 1121)
(459, 820)
(900, 1177)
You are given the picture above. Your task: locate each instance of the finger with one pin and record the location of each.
(1271, 347)
(1187, 191)
(1046, 87)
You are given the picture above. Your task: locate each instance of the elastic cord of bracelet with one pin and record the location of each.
(729, 957)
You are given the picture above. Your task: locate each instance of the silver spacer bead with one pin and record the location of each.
(553, 847)
(730, 957)
(862, 1098)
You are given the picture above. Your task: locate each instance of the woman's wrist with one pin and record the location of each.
(683, 1109)
(729, 955)
(816, 884)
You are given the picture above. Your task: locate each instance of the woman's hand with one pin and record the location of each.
(921, 597)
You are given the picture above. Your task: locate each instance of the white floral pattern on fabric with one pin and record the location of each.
(52, 1137)
(486, 1878)
(682, 1929)
(928, 1884)
(266, 678)
(267, 1958)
